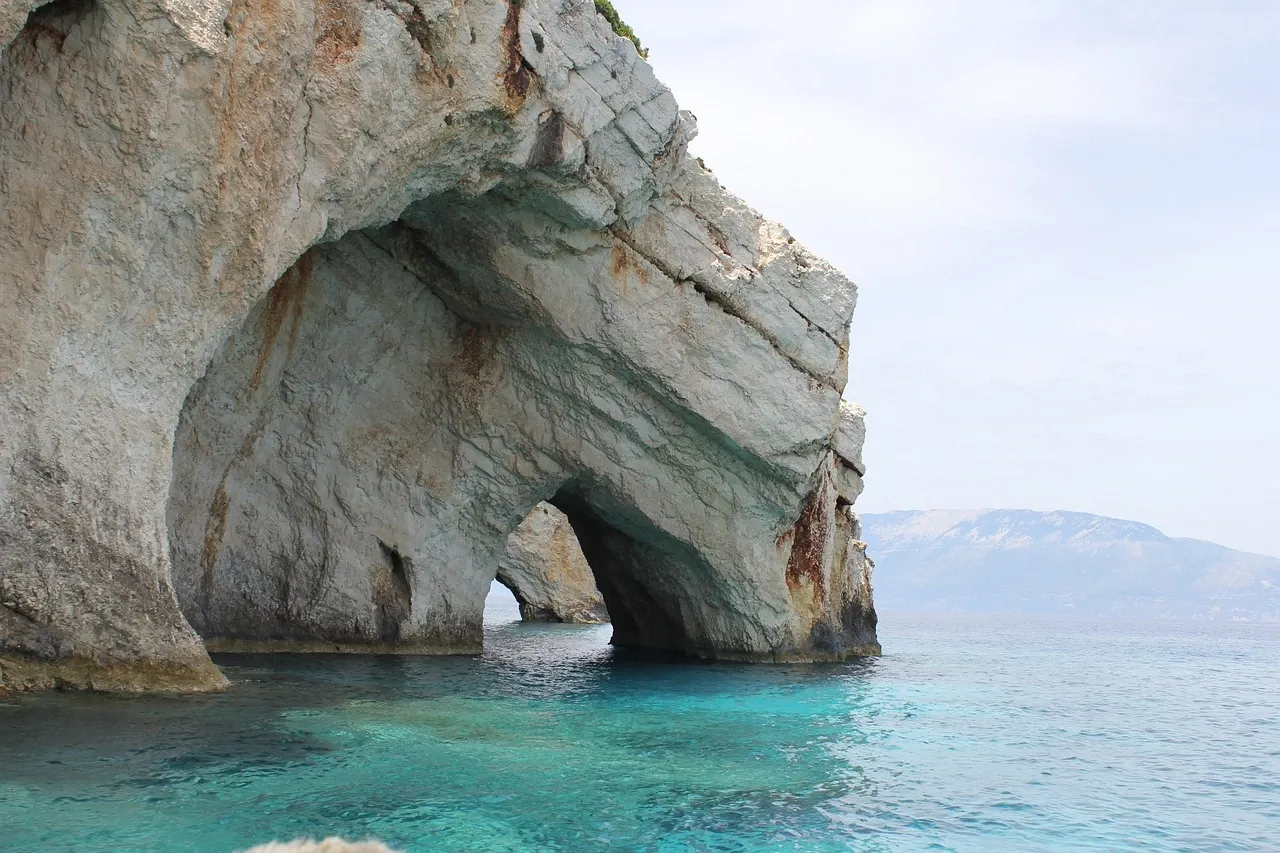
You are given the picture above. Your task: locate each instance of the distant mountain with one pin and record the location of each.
(1020, 561)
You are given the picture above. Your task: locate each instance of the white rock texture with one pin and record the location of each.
(329, 845)
(545, 569)
(306, 303)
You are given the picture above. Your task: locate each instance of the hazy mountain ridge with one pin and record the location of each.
(1023, 561)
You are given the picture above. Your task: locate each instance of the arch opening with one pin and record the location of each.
(501, 605)
(658, 590)
(350, 470)
(332, 489)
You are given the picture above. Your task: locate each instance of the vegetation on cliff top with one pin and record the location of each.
(604, 7)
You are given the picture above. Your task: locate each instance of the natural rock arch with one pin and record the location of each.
(505, 187)
(375, 413)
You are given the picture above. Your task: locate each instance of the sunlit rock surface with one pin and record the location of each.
(545, 569)
(305, 306)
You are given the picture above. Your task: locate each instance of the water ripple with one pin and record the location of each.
(969, 735)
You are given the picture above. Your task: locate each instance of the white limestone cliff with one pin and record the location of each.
(546, 571)
(306, 303)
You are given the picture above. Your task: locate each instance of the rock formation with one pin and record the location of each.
(329, 845)
(306, 303)
(545, 569)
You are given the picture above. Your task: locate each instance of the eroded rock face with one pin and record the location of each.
(306, 304)
(545, 569)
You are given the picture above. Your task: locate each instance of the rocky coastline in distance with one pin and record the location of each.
(984, 561)
(1027, 562)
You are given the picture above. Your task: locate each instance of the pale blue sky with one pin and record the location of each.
(1064, 221)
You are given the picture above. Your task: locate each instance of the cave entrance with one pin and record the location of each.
(348, 473)
(338, 477)
(349, 470)
(365, 455)
(646, 578)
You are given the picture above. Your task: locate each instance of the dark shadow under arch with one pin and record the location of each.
(641, 572)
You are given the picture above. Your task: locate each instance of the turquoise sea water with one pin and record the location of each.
(970, 734)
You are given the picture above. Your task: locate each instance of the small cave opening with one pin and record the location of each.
(501, 605)
(55, 20)
(392, 593)
(38, 57)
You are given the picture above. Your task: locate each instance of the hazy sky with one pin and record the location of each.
(1064, 222)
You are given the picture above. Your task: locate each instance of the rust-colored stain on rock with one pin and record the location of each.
(475, 367)
(622, 263)
(478, 350)
(517, 74)
(288, 293)
(338, 31)
(618, 263)
(808, 541)
(215, 528)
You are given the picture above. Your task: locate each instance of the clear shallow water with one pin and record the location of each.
(971, 734)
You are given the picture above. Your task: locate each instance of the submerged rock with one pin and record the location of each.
(305, 306)
(546, 571)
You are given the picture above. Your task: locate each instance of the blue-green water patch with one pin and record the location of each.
(971, 734)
